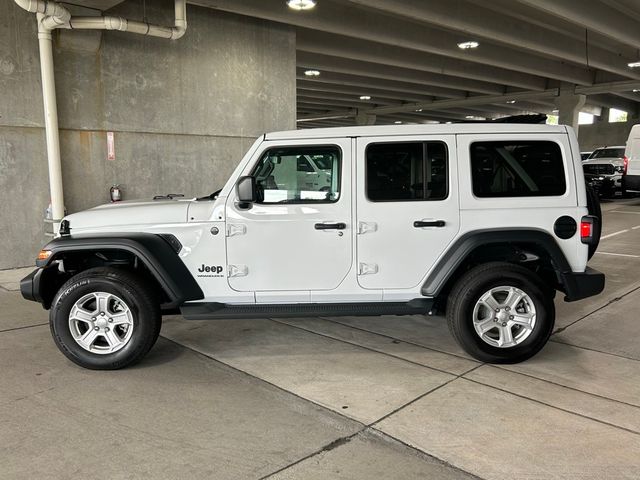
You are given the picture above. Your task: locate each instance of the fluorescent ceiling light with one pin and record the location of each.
(301, 4)
(634, 64)
(511, 101)
(312, 73)
(636, 90)
(397, 121)
(365, 97)
(469, 117)
(468, 45)
(419, 110)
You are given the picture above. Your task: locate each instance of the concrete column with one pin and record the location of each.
(569, 105)
(604, 116)
(363, 118)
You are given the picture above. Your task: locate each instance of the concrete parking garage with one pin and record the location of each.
(323, 397)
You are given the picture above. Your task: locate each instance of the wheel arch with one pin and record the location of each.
(529, 247)
(157, 256)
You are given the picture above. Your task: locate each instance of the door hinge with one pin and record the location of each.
(238, 270)
(236, 229)
(367, 227)
(367, 268)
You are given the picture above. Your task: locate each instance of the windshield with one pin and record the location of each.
(608, 153)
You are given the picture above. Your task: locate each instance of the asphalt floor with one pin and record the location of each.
(345, 398)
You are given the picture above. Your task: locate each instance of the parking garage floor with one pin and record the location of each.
(380, 397)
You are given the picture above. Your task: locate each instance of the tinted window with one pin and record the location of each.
(299, 175)
(517, 169)
(406, 171)
(608, 153)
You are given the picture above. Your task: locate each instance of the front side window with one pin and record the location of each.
(517, 169)
(406, 171)
(299, 175)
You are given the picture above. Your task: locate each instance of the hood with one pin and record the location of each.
(134, 212)
(604, 161)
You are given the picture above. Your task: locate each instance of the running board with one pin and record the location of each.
(213, 311)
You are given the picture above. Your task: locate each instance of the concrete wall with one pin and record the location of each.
(602, 133)
(183, 112)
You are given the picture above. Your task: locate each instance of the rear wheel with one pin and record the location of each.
(105, 319)
(500, 313)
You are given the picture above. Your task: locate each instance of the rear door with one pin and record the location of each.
(407, 207)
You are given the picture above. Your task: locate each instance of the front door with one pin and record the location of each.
(407, 207)
(298, 235)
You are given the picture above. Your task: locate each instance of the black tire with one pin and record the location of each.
(593, 207)
(481, 279)
(143, 302)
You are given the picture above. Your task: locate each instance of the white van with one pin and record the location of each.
(631, 179)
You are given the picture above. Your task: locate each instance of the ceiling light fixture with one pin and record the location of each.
(397, 122)
(312, 73)
(636, 90)
(468, 45)
(469, 117)
(301, 4)
(365, 97)
(634, 64)
(419, 110)
(511, 101)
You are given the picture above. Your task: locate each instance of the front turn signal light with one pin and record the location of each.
(44, 254)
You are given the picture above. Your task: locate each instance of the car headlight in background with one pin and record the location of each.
(620, 169)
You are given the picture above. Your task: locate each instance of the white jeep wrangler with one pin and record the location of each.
(483, 221)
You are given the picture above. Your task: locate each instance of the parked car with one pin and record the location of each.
(484, 222)
(632, 162)
(604, 169)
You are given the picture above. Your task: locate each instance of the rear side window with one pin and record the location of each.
(517, 169)
(406, 171)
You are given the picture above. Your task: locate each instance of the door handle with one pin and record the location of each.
(433, 223)
(330, 226)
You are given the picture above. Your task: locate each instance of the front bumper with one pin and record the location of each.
(579, 285)
(604, 185)
(40, 285)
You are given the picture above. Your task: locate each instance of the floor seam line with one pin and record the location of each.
(421, 396)
(594, 350)
(553, 406)
(22, 328)
(444, 462)
(262, 380)
(613, 300)
(409, 342)
(363, 347)
(326, 448)
(567, 387)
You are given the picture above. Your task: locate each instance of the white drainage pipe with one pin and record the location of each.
(52, 15)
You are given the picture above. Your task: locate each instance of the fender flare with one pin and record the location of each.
(467, 243)
(159, 253)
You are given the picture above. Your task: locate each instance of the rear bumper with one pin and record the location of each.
(582, 285)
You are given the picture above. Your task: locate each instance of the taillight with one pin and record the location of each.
(588, 227)
(626, 165)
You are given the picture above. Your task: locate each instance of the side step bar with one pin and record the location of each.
(213, 311)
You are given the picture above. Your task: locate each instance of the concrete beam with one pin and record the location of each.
(356, 67)
(593, 15)
(343, 19)
(477, 21)
(335, 78)
(314, 41)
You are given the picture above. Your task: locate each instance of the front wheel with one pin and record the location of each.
(105, 319)
(500, 313)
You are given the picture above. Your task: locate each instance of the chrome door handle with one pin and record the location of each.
(330, 226)
(433, 223)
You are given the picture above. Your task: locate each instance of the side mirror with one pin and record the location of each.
(246, 190)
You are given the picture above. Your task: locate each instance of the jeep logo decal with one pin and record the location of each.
(210, 271)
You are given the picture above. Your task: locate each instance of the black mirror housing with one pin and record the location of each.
(246, 190)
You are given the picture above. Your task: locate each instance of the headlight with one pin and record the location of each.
(620, 168)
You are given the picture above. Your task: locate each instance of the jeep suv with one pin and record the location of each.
(484, 222)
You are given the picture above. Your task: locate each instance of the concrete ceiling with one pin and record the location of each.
(404, 54)
(100, 4)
